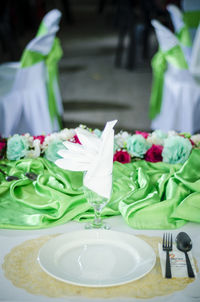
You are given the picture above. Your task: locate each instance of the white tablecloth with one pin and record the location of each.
(11, 238)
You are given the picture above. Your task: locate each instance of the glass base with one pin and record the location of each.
(92, 225)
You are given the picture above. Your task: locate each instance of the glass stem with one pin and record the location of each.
(97, 218)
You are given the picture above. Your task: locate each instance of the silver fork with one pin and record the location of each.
(167, 246)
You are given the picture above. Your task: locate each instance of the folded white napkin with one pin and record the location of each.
(177, 261)
(94, 155)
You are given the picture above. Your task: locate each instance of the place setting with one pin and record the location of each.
(96, 256)
(96, 259)
(99, 258)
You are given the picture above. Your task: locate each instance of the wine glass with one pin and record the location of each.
(98, 202)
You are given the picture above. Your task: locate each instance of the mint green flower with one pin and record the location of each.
(97, 132)
(17, 147)
(176, 150)
(51, 152)
(137, 145)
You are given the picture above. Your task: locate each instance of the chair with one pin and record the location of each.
(181, 30)
(191, 49)
(33, 85)
(195, 57)
(191, 15)
(175, 96)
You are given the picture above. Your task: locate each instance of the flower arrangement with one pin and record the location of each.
(157, 146)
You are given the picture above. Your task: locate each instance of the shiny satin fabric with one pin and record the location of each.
(147, 195)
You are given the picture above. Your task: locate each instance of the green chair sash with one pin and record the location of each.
(29, 58)
(175, 57)
(184, 36)
(192, 18)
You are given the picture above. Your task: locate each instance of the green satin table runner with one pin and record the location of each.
(147, 195)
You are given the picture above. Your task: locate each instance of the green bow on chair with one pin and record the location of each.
(29, 58)
(184, 36)
(192, 18)
(175, 57)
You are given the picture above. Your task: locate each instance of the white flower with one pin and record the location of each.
(196, 138)
(155, 140)
(35, 151)
(121, 139)
(29, 139)
(66, 134)
(157, 137)
(48, 139)
(172, 133)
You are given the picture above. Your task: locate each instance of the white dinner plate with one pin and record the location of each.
(96, 258)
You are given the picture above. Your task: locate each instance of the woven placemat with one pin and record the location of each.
(21, 267)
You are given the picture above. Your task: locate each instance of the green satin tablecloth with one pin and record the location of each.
(147, 195)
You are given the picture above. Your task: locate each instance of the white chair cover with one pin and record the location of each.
(176, 16)
(25, 107)
(195, 57)
(179, 25)
(180, 109)
(166, 39)
(8, 70)
(52, 19)
(25, 89)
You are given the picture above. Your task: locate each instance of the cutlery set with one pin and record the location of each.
(30, 175)
(184, 244)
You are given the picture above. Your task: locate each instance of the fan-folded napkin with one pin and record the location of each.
(94, 155)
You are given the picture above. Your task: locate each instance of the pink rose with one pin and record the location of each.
(122, 156)
(144, 134)
(154, 154)
(40, 137)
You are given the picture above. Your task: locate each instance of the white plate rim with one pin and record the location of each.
(93, 232)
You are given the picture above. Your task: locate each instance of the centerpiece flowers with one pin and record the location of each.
(157, 146)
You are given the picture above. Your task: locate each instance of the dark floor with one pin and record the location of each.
(93, 89)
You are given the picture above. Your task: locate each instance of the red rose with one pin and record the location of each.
(193, 144)
(2, 145)
(122, 156)
(40, 137)
(154, 154)
(144, 134)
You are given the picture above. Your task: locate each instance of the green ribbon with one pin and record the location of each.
(184, 36)
(147, 195)
(42, 30)
(29, 58)
(175, 57)
(192, 18)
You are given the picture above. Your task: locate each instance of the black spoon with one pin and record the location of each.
(9, 177)
(31, 175)
(184, 244)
